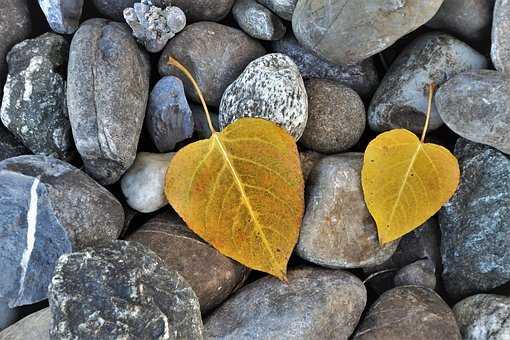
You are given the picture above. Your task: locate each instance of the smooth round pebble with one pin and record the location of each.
(257, 21)
(283, 8)
(420, 273)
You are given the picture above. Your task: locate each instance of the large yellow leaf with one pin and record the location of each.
(405, 181)
(241, 190)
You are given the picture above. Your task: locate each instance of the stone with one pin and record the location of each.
(212, 276)
(500, 48)
(401, 100)
(336, 117)
(63, 16)
(10, 146)
(484, 316)
(34, 105)
(308, 160)
(121, 290)
(108, 87)
(270, 87)
(409, 312)
(337, 230)
(470, 20)
(169, 119)
(113, 9)
(420, 273)
(361, 77)
(315, 304)
(154, 26)
(34, 326)
(202, 129)
(48, 208)
(475, 223)
(347, 32)
(283, 8)
(8, 316)
(143, 184)
(258, 21)
(214, 54)
(204, 10)
(476, 106)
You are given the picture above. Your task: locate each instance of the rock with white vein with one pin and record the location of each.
(63, 15)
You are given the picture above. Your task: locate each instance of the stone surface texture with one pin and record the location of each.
(258, 21)
(63, 16)
(204, 10)
(420, 273)
(34, 326)
(500, 50)
(113, 9)
(10, 146)
(283, 8)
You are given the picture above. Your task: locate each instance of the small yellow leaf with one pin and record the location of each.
(405, 181)
(241, 190)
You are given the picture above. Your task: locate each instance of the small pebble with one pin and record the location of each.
(420, 273)
(257, 21)
(63, 16)
(283, 8)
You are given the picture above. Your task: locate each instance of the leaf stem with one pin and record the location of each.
(432, 88)
(183, 69)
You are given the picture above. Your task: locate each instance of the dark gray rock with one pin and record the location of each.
(48, 208)
(34, 105)
(169, 118)
(409, 312)
(314, 304)
(337, 229)
(113, 9)
(283, 8)
(476, 106)
(62, 15)
(271, 88)
(204, 10)
(121, 290)
(108, 87)
(215, 55)
(484, 316)
(212, 276)
(257, 21)
(500, 50)
(475, 223)
(360, 77)
(202, 129)
(34, 326)
(420, 273)
(8, 316)
(336, 117)
(401, 99)
(9, 145)
(347, 32)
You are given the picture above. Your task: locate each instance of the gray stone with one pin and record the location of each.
(360, 77)
(9, 145)
(308, 160)
(143, 184)
(202, 129)
(270, 87)
(34, 326)
(8, 316)
(34, 105)
(484, 317)
(212, 276)
(214, 54)
(420, 273)
(62, 15)
(476, 106)
(169, 119)
(500, 50)
(257, 21)
(347, 32)
(315, 304)
(475, 223)
(409, 312)
(401, 99)
(337, 229)
(121, 290)
(204, 10)
(113, 9)
(336, 117)
(108, 87)
(283, 8)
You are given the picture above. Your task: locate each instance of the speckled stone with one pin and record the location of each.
(500, 50)
(420, 273)
(476, 106)
(121, 290)
(315, 304)
(484, 316)
(283, 8)
(475, 223)
(409, 312)
(113, 8)
(401, 99)
(337, 229)
(258, 21)
(309, 159)
(346, 32)
(9, 145)
(34, 326)
(63, 16)
(270, 87)
(204, 10)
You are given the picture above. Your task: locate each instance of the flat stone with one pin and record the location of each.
(401, 100)
(204, 10)
(143, 184)
(212, 276)
(484, 316)
(214, 54)
(476, 106)
(315, 304)
(500, 50)
(347, 32)
(270, 87)
(10, 146)
(337, 229)
(63, 16)
(34, 326)
(283, 8)
(475, 223)
(113, 9)
(420, 273)
(108, 87)
(258, 21)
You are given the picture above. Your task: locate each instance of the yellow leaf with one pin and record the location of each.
(406, 181)
(241, 190)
